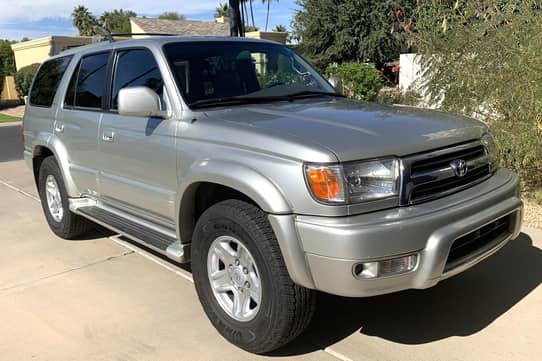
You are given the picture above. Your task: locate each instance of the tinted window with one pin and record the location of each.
(87, 86)
(207, 71)
(47, 81)
(136, 67)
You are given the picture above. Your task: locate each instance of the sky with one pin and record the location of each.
(40, 18)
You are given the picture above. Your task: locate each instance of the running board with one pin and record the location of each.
(156, 240)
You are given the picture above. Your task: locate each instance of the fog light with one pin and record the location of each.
(385, 267)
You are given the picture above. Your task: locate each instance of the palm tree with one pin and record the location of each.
(222, 10)
(268, 10)
(252, 13)
(85, 22)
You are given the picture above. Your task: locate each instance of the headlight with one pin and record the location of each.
(354, 182)
(372, 180)
(492, 149)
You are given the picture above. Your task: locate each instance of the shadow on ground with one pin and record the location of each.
(460, 306)
(11, 145)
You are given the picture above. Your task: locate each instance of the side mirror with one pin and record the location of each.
(336, 83)
(140, 101)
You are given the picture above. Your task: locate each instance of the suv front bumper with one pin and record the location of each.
(328, 248)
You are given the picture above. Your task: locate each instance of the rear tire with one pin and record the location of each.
(284, 309)
(55, 204)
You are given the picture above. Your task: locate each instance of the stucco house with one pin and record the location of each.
(220, 27)
(37, 50)
(178, 27)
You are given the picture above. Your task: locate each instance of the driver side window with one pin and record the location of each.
(136, 67)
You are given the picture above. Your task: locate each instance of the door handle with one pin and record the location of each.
(108, 136)
(59, 127)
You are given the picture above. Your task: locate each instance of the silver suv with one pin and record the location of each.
(237, 156)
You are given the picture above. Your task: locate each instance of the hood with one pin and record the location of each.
(354, 130)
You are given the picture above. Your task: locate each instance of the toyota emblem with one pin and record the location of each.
(459, 166)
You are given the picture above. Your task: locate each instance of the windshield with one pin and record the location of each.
(210, 72)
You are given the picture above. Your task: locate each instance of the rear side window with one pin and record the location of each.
(136, 67)
(88, 83)
(47, 81)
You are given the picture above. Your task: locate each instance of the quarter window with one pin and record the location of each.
(87, 86)
(136, 67)
(47, 81)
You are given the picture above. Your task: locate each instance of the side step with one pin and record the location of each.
(158, 241)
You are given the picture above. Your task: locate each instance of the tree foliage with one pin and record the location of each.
(360, 81)
(85, 22)
(7, 61)
(353, 30)
(222, 10)
(172, 15)
(116, 21)
(23, 79)
(484, 58)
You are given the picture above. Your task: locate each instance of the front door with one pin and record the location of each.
(138, 156)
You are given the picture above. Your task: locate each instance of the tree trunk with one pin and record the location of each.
(267, 17)
(252, 13)
(242, 32)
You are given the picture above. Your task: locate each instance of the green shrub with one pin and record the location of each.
(360, 81)
(23, 79)
(483, 58)
(520, 144)
(388, 95)
(536, 196)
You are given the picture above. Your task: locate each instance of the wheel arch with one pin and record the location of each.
(50, 146)
(239, 180)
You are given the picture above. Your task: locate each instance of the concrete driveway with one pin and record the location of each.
(102, 298)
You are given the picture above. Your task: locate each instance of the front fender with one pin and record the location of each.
(263, 191)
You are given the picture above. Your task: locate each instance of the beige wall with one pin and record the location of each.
(136, 29)
(38, 50)
(33, 51)
(273, 36)
(8, 91)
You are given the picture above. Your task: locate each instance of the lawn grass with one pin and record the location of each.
(8, 118)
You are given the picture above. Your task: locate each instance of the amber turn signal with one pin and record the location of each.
(325, 183)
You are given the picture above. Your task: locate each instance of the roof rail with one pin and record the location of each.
(110, 36)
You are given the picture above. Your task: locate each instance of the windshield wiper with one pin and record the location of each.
(263, 99)
(312, 93)
(233, 100)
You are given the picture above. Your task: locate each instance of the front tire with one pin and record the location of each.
(242, 281)
(55, 203)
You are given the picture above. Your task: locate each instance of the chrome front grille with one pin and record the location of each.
(435, 174)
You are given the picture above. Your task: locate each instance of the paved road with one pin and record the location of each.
(104, 299)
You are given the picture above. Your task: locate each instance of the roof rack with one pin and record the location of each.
(110, 36)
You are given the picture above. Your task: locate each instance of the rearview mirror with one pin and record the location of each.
(336, 83)
(140, 101)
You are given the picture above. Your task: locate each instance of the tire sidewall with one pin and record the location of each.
(247, 333)
(50, 167)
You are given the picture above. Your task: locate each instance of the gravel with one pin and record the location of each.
(533, 215)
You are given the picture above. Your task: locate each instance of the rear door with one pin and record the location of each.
(78, 120)
(138, 157)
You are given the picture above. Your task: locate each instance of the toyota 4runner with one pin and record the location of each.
(237, 156)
